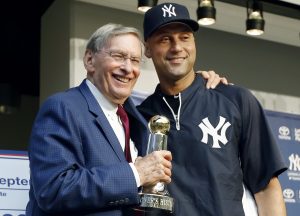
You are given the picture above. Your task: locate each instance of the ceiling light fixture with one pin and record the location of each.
(144, 5)
(255, 23)
(206, 12)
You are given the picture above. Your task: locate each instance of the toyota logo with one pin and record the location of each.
(288, 193)
(284, 131)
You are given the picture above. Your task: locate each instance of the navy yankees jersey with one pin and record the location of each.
(219, 140)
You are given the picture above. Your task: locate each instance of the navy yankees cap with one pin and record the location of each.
(166, 13)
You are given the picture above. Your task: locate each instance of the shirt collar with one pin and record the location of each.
(104, 103)
(198, 83)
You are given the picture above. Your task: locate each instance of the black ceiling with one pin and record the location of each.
(21, 22)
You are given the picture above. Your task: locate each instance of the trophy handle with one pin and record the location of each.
(157, 142)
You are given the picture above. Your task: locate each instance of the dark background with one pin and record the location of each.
(20, 21)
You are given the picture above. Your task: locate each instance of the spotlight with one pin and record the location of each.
(9, 98)
(255, 22)
(206, 12)
(144, 5)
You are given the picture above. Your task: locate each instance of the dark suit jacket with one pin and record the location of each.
(77, 164)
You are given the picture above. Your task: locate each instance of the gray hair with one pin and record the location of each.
(102, 36)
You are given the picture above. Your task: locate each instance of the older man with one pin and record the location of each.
(77, 160)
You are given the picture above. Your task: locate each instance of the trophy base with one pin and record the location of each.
(149, 212)
(155, 203)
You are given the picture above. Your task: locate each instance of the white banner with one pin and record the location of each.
(14, 183)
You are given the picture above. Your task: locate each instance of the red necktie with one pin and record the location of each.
(125, 122)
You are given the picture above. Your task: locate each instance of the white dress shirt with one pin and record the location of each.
(110, 111)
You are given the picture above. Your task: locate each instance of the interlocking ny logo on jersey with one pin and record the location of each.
(208, 129)
(168, 10)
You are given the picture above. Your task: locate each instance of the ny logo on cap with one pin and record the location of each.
(168, 10)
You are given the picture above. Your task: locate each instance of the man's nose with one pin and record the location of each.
(127, 65)
(176, 46)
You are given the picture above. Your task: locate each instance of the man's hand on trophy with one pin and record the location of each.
(154, 167)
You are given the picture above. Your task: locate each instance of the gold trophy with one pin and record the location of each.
(157, 198)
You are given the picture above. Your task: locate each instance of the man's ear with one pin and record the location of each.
(147, 50)
(88, 60)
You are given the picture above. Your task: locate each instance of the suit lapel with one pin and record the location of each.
(102, 121)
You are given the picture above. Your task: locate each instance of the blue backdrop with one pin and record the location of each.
(286, 129)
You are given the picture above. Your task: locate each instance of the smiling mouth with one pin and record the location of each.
(121, 79)
(176, 59)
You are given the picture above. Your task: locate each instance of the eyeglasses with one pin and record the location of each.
(121, 57)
